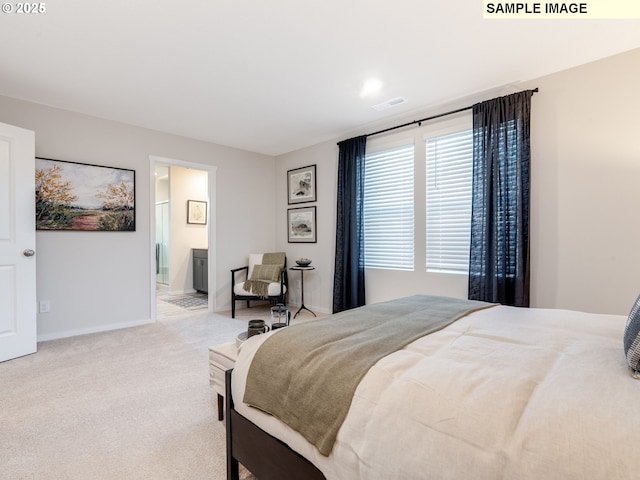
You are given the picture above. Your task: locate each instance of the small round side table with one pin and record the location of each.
(302, 306)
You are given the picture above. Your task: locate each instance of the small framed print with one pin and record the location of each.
(196, 212)
(301, 225)
(301, 185)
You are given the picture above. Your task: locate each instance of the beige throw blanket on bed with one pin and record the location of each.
(265, 273)
(306, 374)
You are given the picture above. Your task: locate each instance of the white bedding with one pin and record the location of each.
(504, 393)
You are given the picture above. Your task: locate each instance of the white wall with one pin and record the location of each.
(318, 283)
(185, 184)
(96, 281)
(585, 175)
(584, 196)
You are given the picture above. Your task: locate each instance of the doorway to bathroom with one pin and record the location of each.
(182, 220)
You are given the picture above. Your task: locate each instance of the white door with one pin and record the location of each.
(17, 243)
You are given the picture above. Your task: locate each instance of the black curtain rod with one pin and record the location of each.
(424, 119)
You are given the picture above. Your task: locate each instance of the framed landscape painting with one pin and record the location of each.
(301, 185)
(301, 225)
(85, 197)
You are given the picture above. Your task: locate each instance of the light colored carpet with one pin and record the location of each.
(128, 404)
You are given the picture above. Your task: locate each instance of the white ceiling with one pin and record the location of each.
(278, 75)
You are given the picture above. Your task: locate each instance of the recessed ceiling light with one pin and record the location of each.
(371, 87)
(389, 103)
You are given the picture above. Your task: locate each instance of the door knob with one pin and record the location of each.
(29, 253)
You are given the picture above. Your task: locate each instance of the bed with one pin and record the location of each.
(500, 392)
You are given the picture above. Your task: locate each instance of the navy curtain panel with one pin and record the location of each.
(499, 253)
(348, 280)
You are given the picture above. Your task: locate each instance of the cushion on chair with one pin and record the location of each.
(254, 259)
(269, 273)
(260, 278)
(274, 289)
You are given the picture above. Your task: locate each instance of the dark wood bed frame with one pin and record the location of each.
(262, 454)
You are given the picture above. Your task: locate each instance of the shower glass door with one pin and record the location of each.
(162, 243)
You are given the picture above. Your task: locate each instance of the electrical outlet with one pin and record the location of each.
(45, 306)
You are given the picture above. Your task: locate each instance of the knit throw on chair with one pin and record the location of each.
(265, 273)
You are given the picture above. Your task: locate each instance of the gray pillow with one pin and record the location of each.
(632, 338)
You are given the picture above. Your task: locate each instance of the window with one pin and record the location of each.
(448, 211)
(388, 208)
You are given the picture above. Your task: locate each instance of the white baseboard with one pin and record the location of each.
(84, 331)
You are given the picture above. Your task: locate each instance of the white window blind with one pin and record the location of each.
(388, 208)
(448, 209)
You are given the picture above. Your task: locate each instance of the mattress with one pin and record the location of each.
(501, 393)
